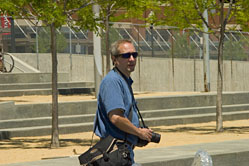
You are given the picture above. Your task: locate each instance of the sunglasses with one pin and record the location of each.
(129, 54)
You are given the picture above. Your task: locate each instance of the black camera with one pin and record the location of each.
(155, 138)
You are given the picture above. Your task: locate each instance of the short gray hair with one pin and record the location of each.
(115, 46)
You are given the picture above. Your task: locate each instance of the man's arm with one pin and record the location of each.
(117, 118)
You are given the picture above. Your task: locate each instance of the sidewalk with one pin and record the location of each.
(228, 153)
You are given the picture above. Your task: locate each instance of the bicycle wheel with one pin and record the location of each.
(7, 63)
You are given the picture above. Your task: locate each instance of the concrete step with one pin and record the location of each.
(88, 126)
(45, 85)
(144, 104)
(45, 121)
(45, 130)
(166, 110)
(200, 118)
(186, 101)
(66, 119)
(6, 106)
(192, 110)
(12, 93)
(36, 110)
(10, 78)
(61, 91)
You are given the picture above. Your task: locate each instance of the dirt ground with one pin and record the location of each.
(23, 149)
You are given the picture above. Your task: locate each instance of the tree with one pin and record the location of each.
(108, 12)
(189, 13)
(53, 13)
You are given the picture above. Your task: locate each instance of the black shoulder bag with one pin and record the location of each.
(108, 151)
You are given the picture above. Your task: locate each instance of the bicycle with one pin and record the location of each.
(6, 63)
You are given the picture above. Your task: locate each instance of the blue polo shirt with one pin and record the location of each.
(114, 93)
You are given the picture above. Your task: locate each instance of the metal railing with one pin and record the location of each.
(156, 41)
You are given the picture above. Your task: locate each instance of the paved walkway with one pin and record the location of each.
(229, 153)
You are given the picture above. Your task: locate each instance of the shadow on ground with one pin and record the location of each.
(204, 130)
(44, 143)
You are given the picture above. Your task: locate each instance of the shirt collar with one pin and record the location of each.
(127, 79)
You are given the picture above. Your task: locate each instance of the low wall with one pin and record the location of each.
(153, 74)
(9, 110)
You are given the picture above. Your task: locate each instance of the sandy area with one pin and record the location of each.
(22, 149)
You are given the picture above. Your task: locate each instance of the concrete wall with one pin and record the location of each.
(82, 66)
(154, 74)
(160, 74)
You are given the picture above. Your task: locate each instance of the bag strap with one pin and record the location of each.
(132, 94)
(129, 117)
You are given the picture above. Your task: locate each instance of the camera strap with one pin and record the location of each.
(133, 99)
(130, 110)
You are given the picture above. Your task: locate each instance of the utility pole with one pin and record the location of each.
(151, 15)
(37, 47)
(97, 55)
(70, 51)
(13, 40)
(152, 38)
(206, 66)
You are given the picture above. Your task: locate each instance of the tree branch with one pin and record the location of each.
(212, 15)
(229, 12)
(196, 29)
(71, 12)
(111, 12)
(201, 15)
(35, 15)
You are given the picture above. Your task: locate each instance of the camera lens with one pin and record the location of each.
(155, 137)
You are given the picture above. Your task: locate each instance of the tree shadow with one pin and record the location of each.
(204, 130)
(43, 143)
(15, 100)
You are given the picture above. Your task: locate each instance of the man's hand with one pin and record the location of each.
(145, 134)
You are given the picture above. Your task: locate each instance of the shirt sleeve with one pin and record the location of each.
(112, 94)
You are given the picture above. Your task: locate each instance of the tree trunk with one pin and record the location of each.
(219, 119)
(107, 42)
(55, 128)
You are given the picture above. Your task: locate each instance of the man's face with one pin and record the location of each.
(126, 65)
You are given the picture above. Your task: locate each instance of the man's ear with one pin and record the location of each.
(113, 60)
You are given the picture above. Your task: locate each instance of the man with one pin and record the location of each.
(116, 101)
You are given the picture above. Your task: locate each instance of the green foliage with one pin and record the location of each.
(44, 40)
(60, 12)
(114, 36)
(181, 13)
(130, 8)
(242, 14)
(183, 47)
(188, 13)
(77, 12)
(234, 50)
(9, 7)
